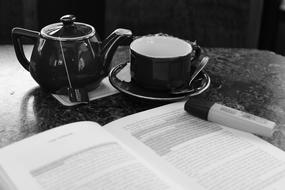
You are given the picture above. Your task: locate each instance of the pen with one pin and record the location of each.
(229, 117)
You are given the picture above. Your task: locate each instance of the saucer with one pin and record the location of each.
(120, 78)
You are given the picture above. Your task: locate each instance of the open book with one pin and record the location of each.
(162, 148)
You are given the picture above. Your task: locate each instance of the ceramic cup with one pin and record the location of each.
(162, 62)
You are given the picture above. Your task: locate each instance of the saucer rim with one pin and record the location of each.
(176, 98)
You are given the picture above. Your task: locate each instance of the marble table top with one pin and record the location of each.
(246, 79)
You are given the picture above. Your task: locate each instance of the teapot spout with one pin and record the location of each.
(119, 37)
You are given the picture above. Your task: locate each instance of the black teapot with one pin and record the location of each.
(68, 54)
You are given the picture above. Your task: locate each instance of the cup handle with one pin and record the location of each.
(17, 33)
(197, 50)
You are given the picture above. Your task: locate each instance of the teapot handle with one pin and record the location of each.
(17, 33)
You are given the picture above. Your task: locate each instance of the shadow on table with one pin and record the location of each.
(38, 111)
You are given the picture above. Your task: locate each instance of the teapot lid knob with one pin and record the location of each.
(68, 19)
(68, 29)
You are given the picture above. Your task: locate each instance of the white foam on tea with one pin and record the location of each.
(161, 46)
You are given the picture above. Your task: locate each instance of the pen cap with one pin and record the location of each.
(198, 107)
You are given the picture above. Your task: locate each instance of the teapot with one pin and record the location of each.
(68, 54)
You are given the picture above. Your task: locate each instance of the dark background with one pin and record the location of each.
(213, 23)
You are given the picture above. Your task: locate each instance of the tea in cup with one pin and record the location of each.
(162, 62)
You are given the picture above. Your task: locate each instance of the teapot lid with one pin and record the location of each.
(68, 29)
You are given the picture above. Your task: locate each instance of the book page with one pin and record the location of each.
(210, 155)
(79, 156)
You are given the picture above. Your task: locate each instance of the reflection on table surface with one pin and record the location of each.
(246, 79)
